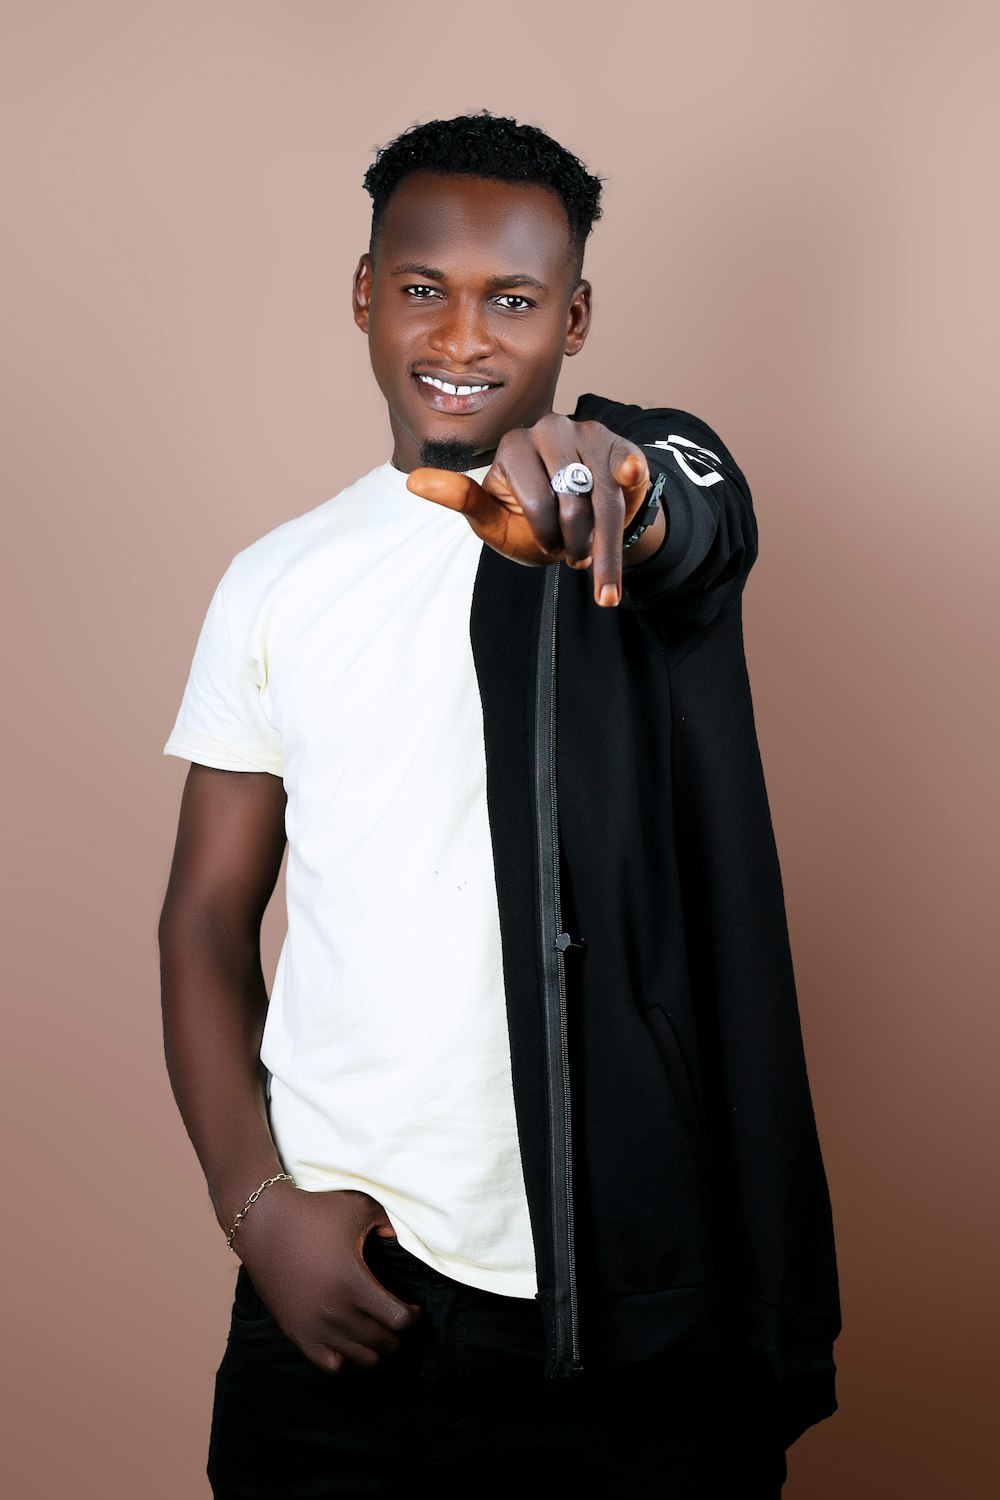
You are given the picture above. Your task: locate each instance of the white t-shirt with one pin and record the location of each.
(336, 654)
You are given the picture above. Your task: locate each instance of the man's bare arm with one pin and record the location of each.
(303, 1249)
(230, 840)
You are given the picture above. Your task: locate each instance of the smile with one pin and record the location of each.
(454, 399)
(452, 390)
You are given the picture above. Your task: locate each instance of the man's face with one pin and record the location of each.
(472, 285)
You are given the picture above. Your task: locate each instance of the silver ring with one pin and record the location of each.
(574, 479)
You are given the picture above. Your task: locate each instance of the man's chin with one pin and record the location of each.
(456, 454)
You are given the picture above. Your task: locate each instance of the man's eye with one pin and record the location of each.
(510, 297)
(420, 293)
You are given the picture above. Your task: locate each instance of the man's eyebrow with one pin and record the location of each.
(433, 273)
(415, 268)
(518, 279)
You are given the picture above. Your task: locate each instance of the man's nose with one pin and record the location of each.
(462, 335)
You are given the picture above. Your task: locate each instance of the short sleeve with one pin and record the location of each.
(222, 720)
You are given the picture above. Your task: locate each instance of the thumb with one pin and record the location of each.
(454, 491)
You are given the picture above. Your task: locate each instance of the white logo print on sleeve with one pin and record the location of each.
(708, 474)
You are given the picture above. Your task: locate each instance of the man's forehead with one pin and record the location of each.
(448, 221)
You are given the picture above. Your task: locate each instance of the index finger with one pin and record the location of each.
(616, 500)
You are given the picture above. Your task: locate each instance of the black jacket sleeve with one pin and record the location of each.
(711, 540)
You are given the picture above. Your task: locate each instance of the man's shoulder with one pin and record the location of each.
(277, 554)
(656, 426)
(628, 417)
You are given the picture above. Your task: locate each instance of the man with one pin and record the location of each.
(520, 1158)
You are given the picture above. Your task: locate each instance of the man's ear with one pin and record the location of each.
(578, 318)
(362, 292)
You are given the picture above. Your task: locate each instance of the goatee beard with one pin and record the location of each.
(447, 453)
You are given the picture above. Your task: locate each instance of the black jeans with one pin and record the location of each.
(463, 1405)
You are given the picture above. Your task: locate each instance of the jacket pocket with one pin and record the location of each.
(672, 1057)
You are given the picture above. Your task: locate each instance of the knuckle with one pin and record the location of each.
(610, 503)
(536, 502)
(334, 1311)
(399, 1316)
(498, 477)
(575, 508)
(512, 442)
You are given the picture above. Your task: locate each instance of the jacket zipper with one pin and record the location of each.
(566, 1331)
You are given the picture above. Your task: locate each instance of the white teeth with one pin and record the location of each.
(453, 390)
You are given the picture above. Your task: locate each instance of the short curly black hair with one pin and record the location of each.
(494, 147)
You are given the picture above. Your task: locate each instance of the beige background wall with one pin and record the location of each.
(799, 245)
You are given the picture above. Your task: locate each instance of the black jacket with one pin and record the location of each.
(674, 1176)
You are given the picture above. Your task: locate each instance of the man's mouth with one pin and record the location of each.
(454, 397)
(452, 390)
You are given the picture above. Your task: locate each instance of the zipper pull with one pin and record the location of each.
(564, 941)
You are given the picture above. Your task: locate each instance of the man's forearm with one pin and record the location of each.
(214, 1005)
